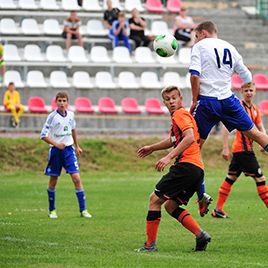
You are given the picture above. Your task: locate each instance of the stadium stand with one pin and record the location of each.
(33, 53)
(107, 106)
(83, 105)
(49, 5)
(130, 4)
(127, 80)
(104, 80)
(154, 6)
(37, 105)
(130, 106)
(150, 80)
(153, 106)
(35, 79)
(174, 6)
(81, 79)
(261, 81)
(13, 76)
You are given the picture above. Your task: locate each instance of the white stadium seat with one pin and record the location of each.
(121, 55)
(159, 27)
(35, 79)
(127, 80)
(91, 5)
(77, 54)
(8, 26)
(82, 79)
(172, 79)
(27, 4)
(13, 76)
(33, 53)
(30, 27)
(130, 4)
(70, 5)
(49, 4)
(58, 79)
(11, 53)
(144, 55)
(95, 27)
(7, 4)
(104, 80)
(188, 80)
(150, 80)
(166, 60)
(55, 54)
(99, 54)
(185, 55)
(52, 27)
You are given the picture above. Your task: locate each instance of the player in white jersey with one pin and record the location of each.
(60, 132)
(213, 62)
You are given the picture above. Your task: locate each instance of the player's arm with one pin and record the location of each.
(77, 147)
(148, 149)
(188, 139)
(225, 149)
(50, 141)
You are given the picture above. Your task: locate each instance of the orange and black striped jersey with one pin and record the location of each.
(182, 120)
(241, 142)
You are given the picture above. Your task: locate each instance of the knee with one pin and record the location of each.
(169, 207)
(76, 180)
(261, 179)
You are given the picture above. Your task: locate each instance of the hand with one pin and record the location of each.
(162, 163)
(61, 146)
(144, 151)
(78, 150)
(261, 149)
(193, 106)
(225, 154)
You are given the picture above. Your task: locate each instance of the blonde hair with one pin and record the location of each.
(169, 89)
(248, 85)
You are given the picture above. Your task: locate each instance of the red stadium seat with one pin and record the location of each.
(154, 6)
(130, 106)
(83, 105)
(236, 82)
(153, 106)
(174, 6)
(261, 81)
(37, 105)
(263, 106)
(107, 106)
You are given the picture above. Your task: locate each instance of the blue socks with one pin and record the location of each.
(51, 198)
(81, 199)
(201, 189)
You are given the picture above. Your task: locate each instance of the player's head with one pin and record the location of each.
(121, 16)
(109, 4)
(11, 86)
(183, 11)
(135, 12)
(204, 30)
(172, 98)
(62, 101)
(248, 91)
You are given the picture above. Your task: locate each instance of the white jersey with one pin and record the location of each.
(59, 128)
(216, 60)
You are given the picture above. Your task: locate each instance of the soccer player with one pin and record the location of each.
(60, 132)
(213, 62)
(181, 182)
(244, 159)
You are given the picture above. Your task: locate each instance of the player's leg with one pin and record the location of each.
(20, 112)
(68, 41)
(51, 192)
(259, 137)
(262, 189)
(13, 111)
(79, 39)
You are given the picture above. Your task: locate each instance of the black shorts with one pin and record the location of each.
(64, 35)
(180, 183)
(245, 162)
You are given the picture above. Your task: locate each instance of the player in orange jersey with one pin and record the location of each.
(177, 186)
(244, 159)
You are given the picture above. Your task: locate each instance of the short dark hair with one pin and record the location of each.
(11, 84)
(62, 94)
(207, 26)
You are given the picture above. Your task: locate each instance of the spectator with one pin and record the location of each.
(120, 29)
(12, 104)
(2, 63)
(183, 28)
(110, 15)
(137, 25)
(71, 29)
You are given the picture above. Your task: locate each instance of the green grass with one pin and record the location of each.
(118, 202)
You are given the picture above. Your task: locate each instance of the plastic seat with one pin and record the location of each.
(33, 53)
(91, 5)
(144, 55)
(116, 3)
(13, 76)
(236, 81)
(154, 6)
(159, 27)
(153, 106)
(130, 4)
(58, 79)
(55, 54)
(70, 5)
(11, 53)
(52, 27)
(130, 106)
(83, 105)
(77, 54)
(107, 106)
(127, 80)
(37, 105)
(7, 4)
(174, 6)
(172, 79)
(36, 79)
(121, 55)
(30, 27)
(185, 55)
(261, 81)
(96, 28)
(27, 4)
(99, 54)
(49, 5)
(150, 80)
(104, 80)
(166, 60)
(188, 81)
(82, 79)
(263, 106)
(8, 26)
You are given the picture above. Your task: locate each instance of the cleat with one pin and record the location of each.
(216, 213)
(145, 248)
(202, 241)
(86, 214)
(52, 214)
(203, 204)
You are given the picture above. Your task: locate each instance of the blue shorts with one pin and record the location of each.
(57, 159)
(210, 111)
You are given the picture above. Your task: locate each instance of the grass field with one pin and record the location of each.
(118, 203)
